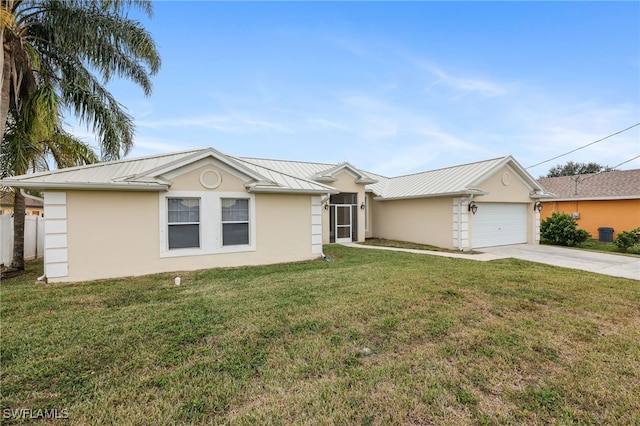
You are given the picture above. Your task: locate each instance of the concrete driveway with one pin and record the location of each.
(602, 263)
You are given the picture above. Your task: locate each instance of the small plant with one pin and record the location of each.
(627, 239)
(562, 229)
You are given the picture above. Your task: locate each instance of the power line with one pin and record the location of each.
(605, 171)
(589, 144)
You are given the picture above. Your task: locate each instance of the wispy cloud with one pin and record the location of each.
(329, 124)
(220, 123)
(464, 84)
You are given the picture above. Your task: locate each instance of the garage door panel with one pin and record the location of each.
(497, 224)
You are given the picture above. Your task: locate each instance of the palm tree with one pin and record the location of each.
(32, 139)
(51, 50)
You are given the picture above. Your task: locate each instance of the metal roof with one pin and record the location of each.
(264, 175)
(111, 174)
(455, 180)
(145, 173)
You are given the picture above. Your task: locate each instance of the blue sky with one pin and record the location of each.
(393, 87)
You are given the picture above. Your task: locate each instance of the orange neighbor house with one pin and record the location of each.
(598, 200)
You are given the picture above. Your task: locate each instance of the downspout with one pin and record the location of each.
(468, 199)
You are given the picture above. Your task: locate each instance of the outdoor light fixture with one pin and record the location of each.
(537, 206)
(362, 206)
(326, 206)
(473, 207)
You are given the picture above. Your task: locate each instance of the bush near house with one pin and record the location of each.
(562, 229)
(627, 239)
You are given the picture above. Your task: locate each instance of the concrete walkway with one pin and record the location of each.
(616, 265)
(482, 257)
(601, 263)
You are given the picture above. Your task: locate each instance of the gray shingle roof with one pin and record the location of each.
(595, 186)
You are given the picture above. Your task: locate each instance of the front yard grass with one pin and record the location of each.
(374, 337)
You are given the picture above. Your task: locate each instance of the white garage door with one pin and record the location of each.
(499, 224)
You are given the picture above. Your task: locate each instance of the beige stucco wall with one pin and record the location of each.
(117, 233)
(345, 182)
(431, 220)
(191, 181)
(370, 215)
(421, 220)
(514, 191)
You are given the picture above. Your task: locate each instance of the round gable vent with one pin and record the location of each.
(506, 178)
(210, 179)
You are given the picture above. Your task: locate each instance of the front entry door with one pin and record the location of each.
(343, 231)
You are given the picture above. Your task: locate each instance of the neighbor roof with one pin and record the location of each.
(6, 199)
(621, 184)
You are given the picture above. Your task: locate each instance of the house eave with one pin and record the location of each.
(543, 196)
(154, 187)
(266, 190)
(594, 198)
(444, 194)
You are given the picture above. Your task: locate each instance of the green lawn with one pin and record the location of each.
(374, 337)
(596, 245)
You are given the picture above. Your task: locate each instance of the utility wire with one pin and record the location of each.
(605, 171)
(589, 144)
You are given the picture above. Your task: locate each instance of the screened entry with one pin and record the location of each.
(343, 217)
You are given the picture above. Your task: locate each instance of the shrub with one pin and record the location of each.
(627, 239)
(562, 229)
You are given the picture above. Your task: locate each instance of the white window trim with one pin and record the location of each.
(210, 223)
(231, 222)
(186, 223)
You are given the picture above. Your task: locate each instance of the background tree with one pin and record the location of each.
(573, 169)
(51, 51)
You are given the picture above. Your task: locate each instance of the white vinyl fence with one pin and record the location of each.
(33, 238)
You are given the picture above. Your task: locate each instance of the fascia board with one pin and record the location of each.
(447, 194)
(271, 190)
(611, 198)
(88, 186)
(545, 195)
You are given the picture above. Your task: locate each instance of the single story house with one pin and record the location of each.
(596, 200)
(201, 209)
(33, 205)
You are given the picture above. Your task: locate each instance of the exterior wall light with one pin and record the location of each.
(537, 206)
(326, 206)
(473, 207)
(362, 206)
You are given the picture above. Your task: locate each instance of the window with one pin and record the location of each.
(194, 223)
(235, 222)
(184, 222)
